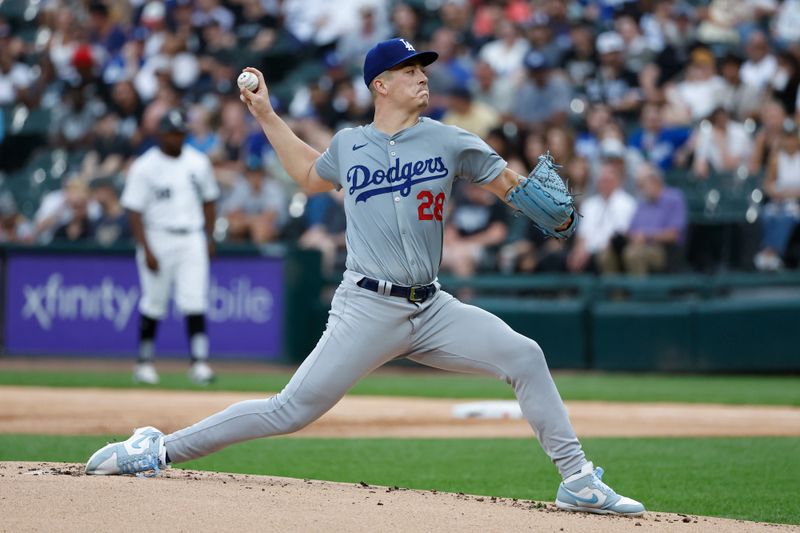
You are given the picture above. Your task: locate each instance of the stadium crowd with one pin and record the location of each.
(676, 121)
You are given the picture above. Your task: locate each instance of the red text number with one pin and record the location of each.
(427, 200)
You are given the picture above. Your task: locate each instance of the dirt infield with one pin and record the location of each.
(43, 410)
(57, 497)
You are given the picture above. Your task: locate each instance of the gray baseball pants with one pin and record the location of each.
(365, 330)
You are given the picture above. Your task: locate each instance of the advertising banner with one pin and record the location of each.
(88, 305)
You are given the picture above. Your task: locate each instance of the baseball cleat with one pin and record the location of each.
(145, 373)
(586, 492)
(200, 373)
(143, 452)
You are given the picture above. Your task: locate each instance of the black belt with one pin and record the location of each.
(179, 231)
(415, 293)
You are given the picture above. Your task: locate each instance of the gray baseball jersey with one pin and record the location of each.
(396, 187)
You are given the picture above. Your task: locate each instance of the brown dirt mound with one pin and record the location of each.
(58, 497)
(43, 410)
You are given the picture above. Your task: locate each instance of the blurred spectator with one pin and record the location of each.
(656, 232)
(605, 214)
(727, 22)
(14, 228)
(587, 144)
(256, 208)
(66, 33)
(781, 215)
(700, 92)
(637, 51)
(201, 131)
(405, 22)
(541, 38)
(326, 230)
(15, 76)
(720, 145)
(785, 85)
(457, 16)
(506, 144)
(211, 12)
(544, 95)
(740, 99)
(506, 53)
(613, 83)
(657, 143)
(128, 107)
(104, 33)
(112, 225)
(786, 24)
(56, 208)
(580, 60)
(452, 70)
(490, 89)
(768, 137)
(353, 46)
(76, 226)
(72, 123)
(109, 150)
(153, 19)
(761, 65)
(472, 116)
(476, 226)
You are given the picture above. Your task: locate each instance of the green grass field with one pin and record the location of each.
(746, 478)
(756, 390)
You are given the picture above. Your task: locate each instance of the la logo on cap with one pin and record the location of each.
(409, 47)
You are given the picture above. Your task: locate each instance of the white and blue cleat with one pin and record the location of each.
(586, 492)
(143, 453)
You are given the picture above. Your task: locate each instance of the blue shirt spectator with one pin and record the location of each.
(656, 143)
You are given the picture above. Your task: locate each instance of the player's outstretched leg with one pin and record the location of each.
(346, 351)
(454, 336)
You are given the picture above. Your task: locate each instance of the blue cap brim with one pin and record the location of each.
(425, 58)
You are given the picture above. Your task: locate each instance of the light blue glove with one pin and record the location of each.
(543, 197)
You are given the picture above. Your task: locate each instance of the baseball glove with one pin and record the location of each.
(543, 197)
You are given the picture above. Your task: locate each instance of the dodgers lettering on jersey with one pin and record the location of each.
(396, 188)
(170, 191)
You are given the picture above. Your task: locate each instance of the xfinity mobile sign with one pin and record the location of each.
(89, 305)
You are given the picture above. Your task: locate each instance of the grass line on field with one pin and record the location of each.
(702, 476)
(754, 390)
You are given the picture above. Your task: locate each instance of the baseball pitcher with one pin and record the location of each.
(397, 174)
(169, 194)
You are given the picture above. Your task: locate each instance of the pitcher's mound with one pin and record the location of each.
(58, 497)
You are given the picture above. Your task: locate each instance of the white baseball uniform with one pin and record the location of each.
(396, 189)
(169, 192)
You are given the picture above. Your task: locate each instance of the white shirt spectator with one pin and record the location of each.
(603, 218)
(759, 74)
(18, 78)
(787, 22)
(737, 143)
(701, 96)
(788, 172)
(504, 60)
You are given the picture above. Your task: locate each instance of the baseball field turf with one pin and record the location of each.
(747, 478)
(736, 390)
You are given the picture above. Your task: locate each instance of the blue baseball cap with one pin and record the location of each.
(388, 54)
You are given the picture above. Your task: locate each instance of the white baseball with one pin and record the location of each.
(247, 80)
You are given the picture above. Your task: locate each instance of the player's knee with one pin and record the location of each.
(528, 358)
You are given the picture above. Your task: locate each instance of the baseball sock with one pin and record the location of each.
(147, 335)
(198, 340)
